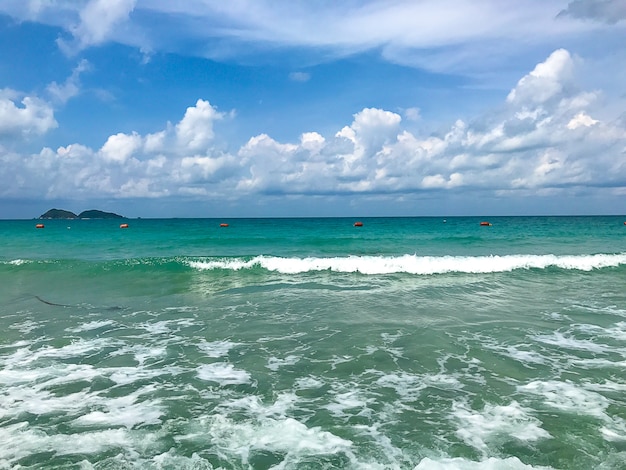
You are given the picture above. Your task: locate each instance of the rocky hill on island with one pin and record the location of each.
(89, 214)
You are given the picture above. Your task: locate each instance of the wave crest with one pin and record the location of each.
(413, 264)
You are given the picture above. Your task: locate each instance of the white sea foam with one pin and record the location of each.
(19, 441)
(617, 332)
(410, 386)
(304, 383)
(254, 407)
(119, 412)
(496, 424)
(582, 400)
(414, 264)
(223, 374)
(274, 363)
(18, 262)
(128, 375)
(492, 463)
(568, 397)
(27, 326)
(518, 352)
(614, 429)
(349, 400)
(75, 349)
(239, 440)
(570, 342)
(143, 353)
(92, 325)
(216, 348)
(19, 400)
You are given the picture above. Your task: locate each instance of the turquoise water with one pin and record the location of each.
(408, 343)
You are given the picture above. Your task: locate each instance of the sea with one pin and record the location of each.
(311, 343)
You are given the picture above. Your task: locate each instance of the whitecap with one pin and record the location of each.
(496, 424)
(223, 374)
(216, 348)
(414, 264)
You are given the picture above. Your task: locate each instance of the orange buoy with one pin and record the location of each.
(485, 224)
(358, 224)
(223, 225)
(39, 226)
(123, 225)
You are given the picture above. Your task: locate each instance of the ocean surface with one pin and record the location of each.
(407, 343)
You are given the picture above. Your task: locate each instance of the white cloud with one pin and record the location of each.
(440, 35)
(119, 147)
(195, 130)
(581, 119)
(33, 117)
(545, 81)
(300, 76)
(412, 114)
(542, 140)
(62, 93)
(98, 21)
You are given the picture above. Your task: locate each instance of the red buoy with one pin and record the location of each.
(123, 225)
(358, 224)
(39, 226)
(223, 225)
(485, 224)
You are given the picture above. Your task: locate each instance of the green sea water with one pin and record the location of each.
(407, 343)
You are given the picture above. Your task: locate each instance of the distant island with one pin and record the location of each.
(90, 214)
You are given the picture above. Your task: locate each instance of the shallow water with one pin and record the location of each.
(310, 343)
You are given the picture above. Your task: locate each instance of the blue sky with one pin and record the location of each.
(253, 108)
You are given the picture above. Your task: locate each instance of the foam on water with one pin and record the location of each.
(242, 439)
(275, 363)
(89, 326)
(216, 348)
(567, 397)
(496, 424)
(304, 383)
(254, 407)
(120, 413)
(349, 400)
(492, 463)
(17, 262)
(568, 341)
(239, 363)
(410, 386)
(25, 327)
(129, 375)
(223, 374)
(414, 264)
(19, 441)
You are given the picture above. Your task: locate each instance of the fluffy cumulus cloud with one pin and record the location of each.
(195, 130)
(24, 116)
(547, 136)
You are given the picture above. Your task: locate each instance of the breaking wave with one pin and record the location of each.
(413, 264)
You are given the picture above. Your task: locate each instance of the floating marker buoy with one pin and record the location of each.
(223, 225)
(358, 224)
(39, 226)
(485, 224)
(123, 225)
